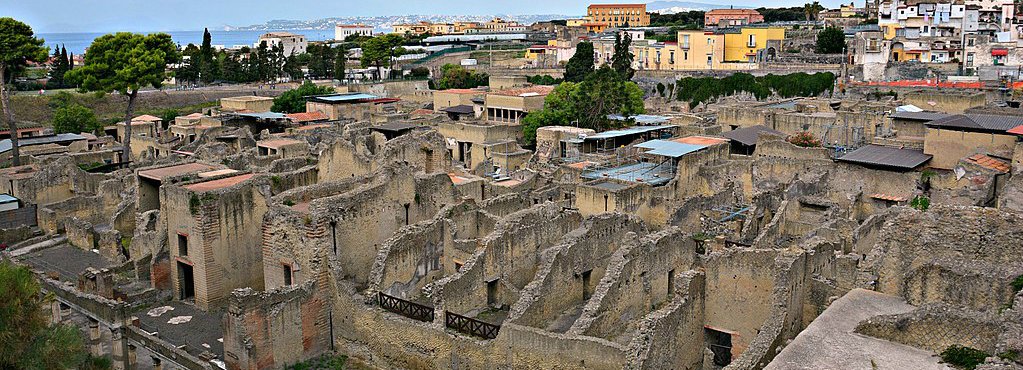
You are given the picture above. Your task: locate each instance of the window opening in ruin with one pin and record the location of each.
(333, 235)
(671, 283)
(586, 284)
(182, 245)
(720, 343)
(186, 281)
(492, 292)
(605, 202)
(458, 265)
(287, 274)
(406, 212)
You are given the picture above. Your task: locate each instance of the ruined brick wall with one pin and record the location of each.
(412, 258)
(637, 283)
(672, 337)
(358, 153)
(956, 255)
(273, 329)
(935, 327)
(559, 283)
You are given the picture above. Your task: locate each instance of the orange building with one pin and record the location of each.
(618, 15)
(731, 17)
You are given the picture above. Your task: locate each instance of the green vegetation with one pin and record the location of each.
(60, 65)
(18, 46)
(805, 139)
(1009, 355)
(831, 41)
(457, 77)
(581, 63)
(332, 362)
(1017, 284)
(293, 101)
(622, 59)
(29, 341)
(125, 62)
(587, 104)
(963, 357)
(75, 118)
(692, 18)
(791, 14)
(920, 202)
(698, 90)
(544, 80)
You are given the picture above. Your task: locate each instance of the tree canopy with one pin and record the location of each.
(454, 76)
(125, 63)
(581, 64)
(18, 46)
(293, 101)
(622, 59)
(698, 90)
(379, 50)
(29, 341)
(586, 104)
(830, 41)
(74, 118)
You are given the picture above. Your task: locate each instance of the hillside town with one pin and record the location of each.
(568, 194)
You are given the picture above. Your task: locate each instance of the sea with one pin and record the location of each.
(77, 42)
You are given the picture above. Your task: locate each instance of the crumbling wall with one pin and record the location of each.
(411, 259)
(672, 337)
(357, 155)
(740, 293)
(510, 254)
(956, 255)
(569, 272)
(640, 279)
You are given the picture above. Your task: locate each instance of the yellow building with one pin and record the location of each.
(414, 29)
(618, 15)
(743, 45)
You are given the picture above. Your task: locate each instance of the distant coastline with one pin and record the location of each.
(77, 42)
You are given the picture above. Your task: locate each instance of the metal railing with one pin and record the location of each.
(405, 308)
(471, 326)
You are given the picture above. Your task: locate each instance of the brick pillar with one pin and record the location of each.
(95, 344)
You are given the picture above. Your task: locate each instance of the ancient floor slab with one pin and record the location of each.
(830, 343)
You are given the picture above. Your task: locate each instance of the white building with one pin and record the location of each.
(291, 43)
(342, 31)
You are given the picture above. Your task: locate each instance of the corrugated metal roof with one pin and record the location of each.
(343, 97)
(978, 122)
(645, 119)
(750, 135)
(5, 198)
(263, 115)
(636, 130)
(460, 109)
(884, 156)
(918, 116)
(5, 144)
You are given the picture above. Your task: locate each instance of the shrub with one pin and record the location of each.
(805, 140)
(1017, 284)
(963, 357)
(920, 202)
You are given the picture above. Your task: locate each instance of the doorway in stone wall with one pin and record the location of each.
(186, 281)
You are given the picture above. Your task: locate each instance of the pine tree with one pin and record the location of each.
(56, 70)
(207, 72)
(621, 60)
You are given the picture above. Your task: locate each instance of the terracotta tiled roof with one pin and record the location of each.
(307, 117)
(147, 118)
(462, 91)
(1018, 130)
(277, 143)
(700, 140)
(889, 197)
(990, 163)
(218, 184)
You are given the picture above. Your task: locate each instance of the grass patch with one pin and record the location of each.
(322, 362)
(963, 357)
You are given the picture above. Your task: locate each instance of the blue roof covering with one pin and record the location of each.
(636, 130)
(263, 115)
(646, 119)
(667, 148)
(4, 198)
(5, 144)
(344, 97)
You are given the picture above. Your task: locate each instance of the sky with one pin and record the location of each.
(48, 16)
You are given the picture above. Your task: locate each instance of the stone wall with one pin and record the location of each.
(935, 327)
(957, 255)
(671, 337)
(276, 328)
